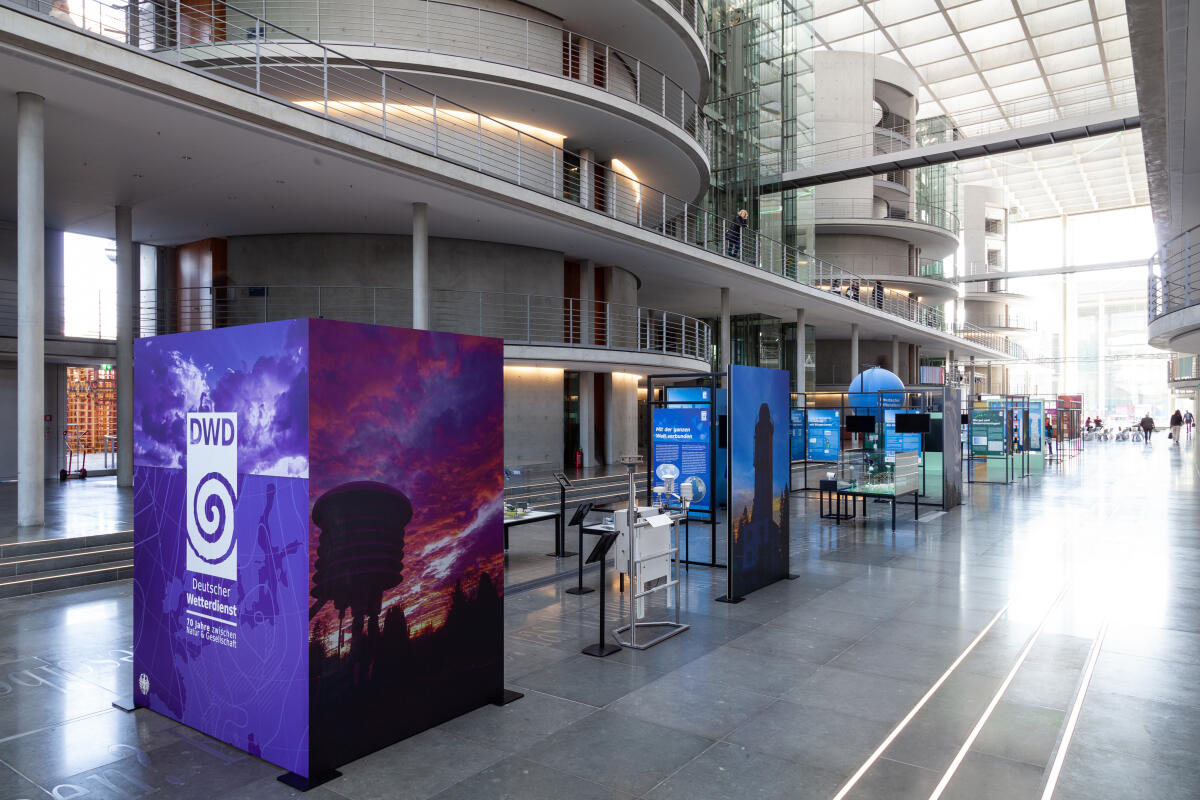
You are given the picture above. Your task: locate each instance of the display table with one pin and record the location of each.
(532, 516)
(880, 492)
(832, 489)
(904, 481)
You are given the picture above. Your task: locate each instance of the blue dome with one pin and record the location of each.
(864, 390)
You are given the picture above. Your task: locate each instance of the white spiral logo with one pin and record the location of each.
(212, 512)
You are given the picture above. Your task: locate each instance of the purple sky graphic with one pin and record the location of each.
(259, 371)
(424, 413)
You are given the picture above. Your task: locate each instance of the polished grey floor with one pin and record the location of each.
(945, 660)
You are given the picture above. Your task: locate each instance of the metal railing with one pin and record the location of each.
(515, 318)
(470, 32)
(1183, 368)
(872, 208)
(1005, 321)
(991, 118)
(264, 59)
(88, 319)
(895, 265)
(1174, 280)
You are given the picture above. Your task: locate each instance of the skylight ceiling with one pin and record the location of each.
(999, 64)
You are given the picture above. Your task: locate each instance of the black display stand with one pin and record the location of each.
(507, 696)
(577, 520)
(599, 554)
(560, 540)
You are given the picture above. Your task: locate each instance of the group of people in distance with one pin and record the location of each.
(1178, 421)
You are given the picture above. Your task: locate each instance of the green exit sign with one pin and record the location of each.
(106, 366)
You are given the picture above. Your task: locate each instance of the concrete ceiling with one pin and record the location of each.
(195, 158)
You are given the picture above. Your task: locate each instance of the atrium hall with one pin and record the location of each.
(627, 399)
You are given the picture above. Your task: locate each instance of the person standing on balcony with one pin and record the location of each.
(61, 11)
(733, 235)
(1176, 426)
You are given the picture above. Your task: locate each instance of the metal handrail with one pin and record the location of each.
(870, 208)
(95, 325)
(1174, 275)
(279, 64)
(898, 266)
(515, 318)
(494, 37)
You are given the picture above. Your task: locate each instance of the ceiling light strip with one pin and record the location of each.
(920, 704)
(1069, 730)
(987, 713)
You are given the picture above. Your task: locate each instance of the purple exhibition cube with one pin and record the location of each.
(318, 534)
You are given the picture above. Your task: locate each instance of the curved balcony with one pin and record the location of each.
(923, 278)
(450, 29)
(933, 229)
(1183, 371)
(1004, 322)
(1173, 297)
(519, 319)
(412, 118)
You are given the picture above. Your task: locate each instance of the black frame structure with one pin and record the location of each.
(921, 400)
(713, 447)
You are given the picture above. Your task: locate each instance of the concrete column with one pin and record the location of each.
(587, 427)
(127, 281)
(587, 293)
(606, 447)
(800, 350)
(971, 378)
(587, 158)
(420, 266)
(989, 377)
(853, 350)
(949, 363)
(31, 309)
(726, 339)
(896, 354)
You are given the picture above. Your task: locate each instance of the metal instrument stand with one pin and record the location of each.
(635, 563)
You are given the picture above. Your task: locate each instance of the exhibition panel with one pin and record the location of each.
(760, 478)
(318, 563)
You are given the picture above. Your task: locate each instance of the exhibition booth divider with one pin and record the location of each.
(744, 424)
(318, 535)
(856, 436)
(1001, 438)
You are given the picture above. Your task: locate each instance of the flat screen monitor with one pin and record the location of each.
(864, 423)
(912, 423)
(966, 420)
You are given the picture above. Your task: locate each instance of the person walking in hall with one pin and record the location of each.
(1147, 425)
(1176, 426)
(733, 235)
(1049, 438)
(1189, 420)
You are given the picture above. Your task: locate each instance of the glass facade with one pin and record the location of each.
(762, 106)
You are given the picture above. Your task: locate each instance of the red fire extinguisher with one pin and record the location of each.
(578, 457)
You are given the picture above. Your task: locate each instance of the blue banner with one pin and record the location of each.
(824, 434)
(682, 438)
(897, 442)
(798, 434)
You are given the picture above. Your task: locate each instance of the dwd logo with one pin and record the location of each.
(211, 478)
